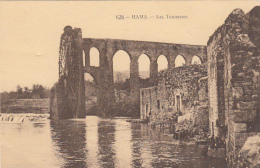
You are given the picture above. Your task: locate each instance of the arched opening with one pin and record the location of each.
(91, 94)
(89, 78)
(162, 63)
(179, 61)
(121, 66)
(121, 74)
(196, 60)
(144, 66)
(94, 57)
(144, 71)
(84, 58)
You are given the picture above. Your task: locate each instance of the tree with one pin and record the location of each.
(19, 91)
(27, 94)
(38, 91)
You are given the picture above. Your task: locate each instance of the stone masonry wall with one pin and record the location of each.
(149, 104)
(233, 68)
(180, 92)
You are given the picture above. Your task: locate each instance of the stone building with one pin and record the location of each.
(234, 80)
(179, 94)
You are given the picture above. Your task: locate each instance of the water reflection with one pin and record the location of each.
(69, 138)
(92, 141)
(95, 142)
(136, 147)
(123, 144)
(106, 139)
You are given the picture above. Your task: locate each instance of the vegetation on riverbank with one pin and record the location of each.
(36, 92)
(126, 108)
(26, 100)
(38, 106)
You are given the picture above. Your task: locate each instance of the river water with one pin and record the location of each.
(95, 142)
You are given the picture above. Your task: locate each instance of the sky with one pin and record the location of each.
(30, 31)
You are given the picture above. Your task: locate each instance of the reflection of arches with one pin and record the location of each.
(162, 63)
(121, 65)
(94, 57)
(180, 61)
(196, 60)
(144, 66)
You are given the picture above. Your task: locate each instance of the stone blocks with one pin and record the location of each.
(237, 92)
(240, 127)
(247, 105)
(240, 139)
(242, 116)
(217, 153)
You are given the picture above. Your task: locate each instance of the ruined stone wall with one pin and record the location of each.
(178, 93)
(149, 102)
(182, 82)
(201, 115)
(233, 68)
(215, 88)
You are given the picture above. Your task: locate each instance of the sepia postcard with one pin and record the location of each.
(129, 84)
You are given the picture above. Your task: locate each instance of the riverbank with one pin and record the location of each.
(37, 106)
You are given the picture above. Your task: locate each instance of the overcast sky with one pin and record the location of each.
(30, 31)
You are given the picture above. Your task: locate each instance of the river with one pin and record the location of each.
(96, 142)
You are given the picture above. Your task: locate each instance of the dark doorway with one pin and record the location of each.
(158, 104)
(212, 129)
(146, 110)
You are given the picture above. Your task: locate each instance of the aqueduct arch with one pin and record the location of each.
(94, 52)
(180, 61)
(162, 58)
(196, 60)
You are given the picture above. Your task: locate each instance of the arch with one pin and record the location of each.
(121, 66)
(144, 66)
(121, 52)
(94, 57)
(179, 61)
(162, 62)
(196, 60)
(89, 77)
(91, 88)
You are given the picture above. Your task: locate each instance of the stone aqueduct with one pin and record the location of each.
(107, 48)
(73, 49)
